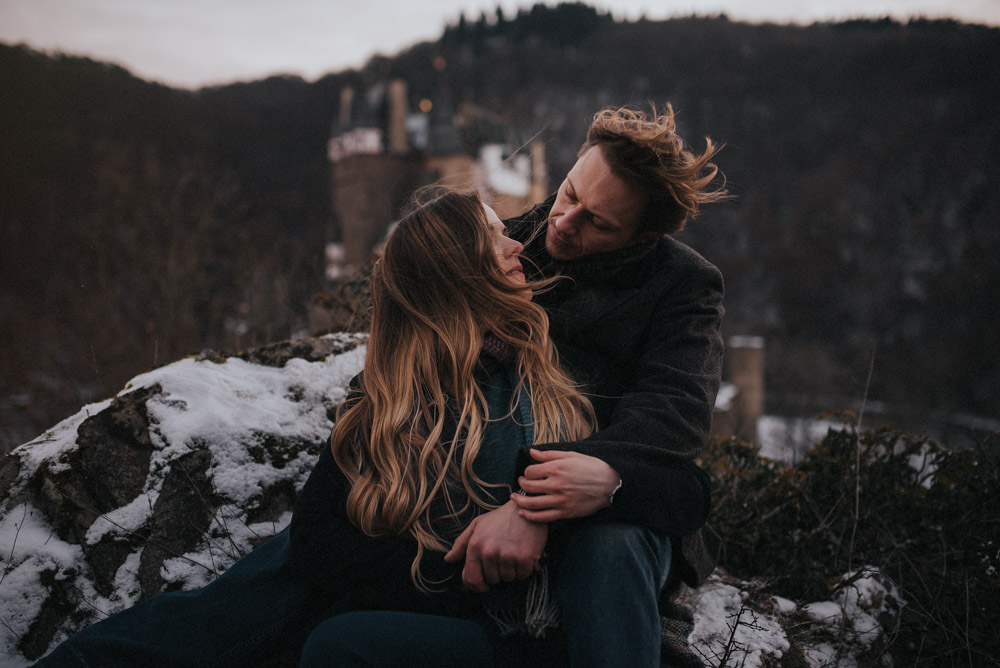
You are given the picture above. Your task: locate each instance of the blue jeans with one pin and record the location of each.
(386, 638)
(608, 579)
(236, 620)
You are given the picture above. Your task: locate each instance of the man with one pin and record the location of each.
(637, 319)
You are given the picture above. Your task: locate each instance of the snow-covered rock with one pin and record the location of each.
(162, 487)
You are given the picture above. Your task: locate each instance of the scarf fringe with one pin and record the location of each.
(541, 610)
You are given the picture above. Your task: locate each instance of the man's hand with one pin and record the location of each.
(565, 484)
(498, 546)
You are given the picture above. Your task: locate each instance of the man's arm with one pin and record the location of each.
(662, 420)
(563, 485)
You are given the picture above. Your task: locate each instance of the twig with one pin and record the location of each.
(218, 516)
(731, 642)
(968, 645)
(857, 460)
(6, 624)
(58, 588)
(868, 383)
(8, 567)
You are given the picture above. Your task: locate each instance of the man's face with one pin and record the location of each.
(594, 212)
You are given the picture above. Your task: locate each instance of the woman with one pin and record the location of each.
(459, 376)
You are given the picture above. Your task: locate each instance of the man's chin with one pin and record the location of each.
(560, 252)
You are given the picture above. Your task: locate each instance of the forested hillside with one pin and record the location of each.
(141, 223)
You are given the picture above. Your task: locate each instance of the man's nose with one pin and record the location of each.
(569, 221)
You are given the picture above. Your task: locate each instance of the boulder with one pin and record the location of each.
(163, 486)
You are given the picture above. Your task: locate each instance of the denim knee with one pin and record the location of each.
(335, 642)
(608, 581)
(619, 545)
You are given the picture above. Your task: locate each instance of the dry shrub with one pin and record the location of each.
(923, 515)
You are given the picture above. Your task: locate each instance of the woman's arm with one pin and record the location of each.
(498, 546)
(329, 550)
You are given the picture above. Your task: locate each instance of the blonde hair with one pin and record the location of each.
(648, 154)
(436, 291)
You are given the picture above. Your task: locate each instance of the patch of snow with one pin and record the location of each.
(924, 463)
(788, 439)
(511, 176)
(227, 406)
(825, 654)
(127, 589)
(724, 399)
(229, 539)
(728, 627)
(864, 596)
(48, 446)
(783, 605)
(723, 622)
(30, 549)
(827, 612)
(859, 599)
(125, 520)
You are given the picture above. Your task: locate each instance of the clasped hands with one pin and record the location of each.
(507, 543)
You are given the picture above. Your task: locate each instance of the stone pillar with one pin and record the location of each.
(399, 141)
(746, 372)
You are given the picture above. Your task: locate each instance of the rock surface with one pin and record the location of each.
(161, 487)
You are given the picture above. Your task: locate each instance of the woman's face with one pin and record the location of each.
(507, 250)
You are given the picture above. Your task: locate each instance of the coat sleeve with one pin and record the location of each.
(662, 421)
(341, 559)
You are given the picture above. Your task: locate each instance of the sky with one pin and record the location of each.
(194, 43)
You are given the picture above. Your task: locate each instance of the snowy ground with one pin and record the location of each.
(787, 439)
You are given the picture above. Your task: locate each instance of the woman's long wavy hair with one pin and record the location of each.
(436, 291)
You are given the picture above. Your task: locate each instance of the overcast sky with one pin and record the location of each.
(191, 43)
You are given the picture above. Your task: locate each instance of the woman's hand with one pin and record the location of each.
(564, 484)
(499, 546)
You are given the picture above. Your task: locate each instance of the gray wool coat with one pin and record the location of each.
(640, 327)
